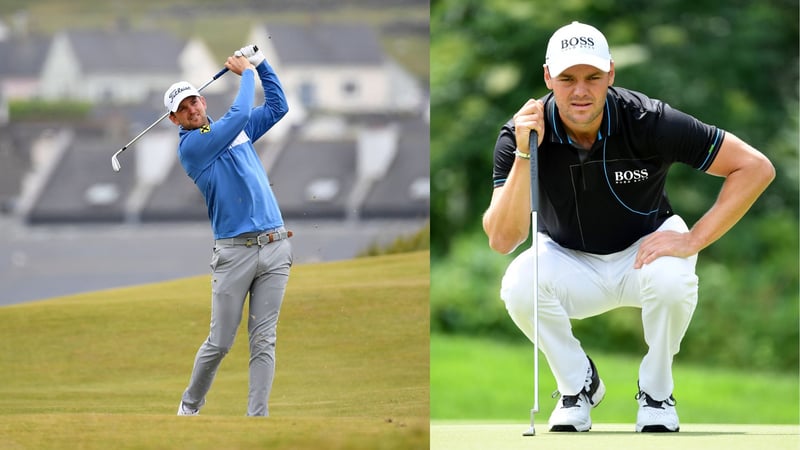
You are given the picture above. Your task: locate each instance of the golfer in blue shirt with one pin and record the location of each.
(252, 254)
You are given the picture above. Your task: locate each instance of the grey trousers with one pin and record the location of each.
(237, 270)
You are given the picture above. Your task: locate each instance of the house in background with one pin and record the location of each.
(337, 68)
(122, 66)
(21, 62)
(362, 133)
(353, 147)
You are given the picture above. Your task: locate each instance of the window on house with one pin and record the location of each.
(420, 189)
(350, 88)
(308, 94)
(322, 190)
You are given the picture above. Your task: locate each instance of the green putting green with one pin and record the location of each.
(506, 436)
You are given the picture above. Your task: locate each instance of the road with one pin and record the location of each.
(49, 261)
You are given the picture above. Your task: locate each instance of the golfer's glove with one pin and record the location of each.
(255, 57)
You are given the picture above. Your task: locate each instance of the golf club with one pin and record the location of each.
(115, 161)
(533, 141)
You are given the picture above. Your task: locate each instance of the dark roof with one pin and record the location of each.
(391, 195)
(86, 165)
(176, 199)
(15, 161)
(303, 162)
(132, 51)
(326, 44)
(23, 56)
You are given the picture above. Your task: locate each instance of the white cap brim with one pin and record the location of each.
(566, 62)
(179, 98)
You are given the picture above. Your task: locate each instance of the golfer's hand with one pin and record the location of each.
(238, 64)
(529, 117)
(663, 243)
(251, 52)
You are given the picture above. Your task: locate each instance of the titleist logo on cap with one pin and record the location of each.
(177, 91)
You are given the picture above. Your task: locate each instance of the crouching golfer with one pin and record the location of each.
(607, 235)
(251, 251)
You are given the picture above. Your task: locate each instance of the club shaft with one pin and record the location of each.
(533, 148)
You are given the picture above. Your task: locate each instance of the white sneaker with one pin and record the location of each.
(184, 410)
(656, 416)
(572, 411)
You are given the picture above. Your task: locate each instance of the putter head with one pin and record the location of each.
(532, 430)
(115, 163)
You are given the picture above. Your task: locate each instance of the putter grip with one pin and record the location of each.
(533, 147)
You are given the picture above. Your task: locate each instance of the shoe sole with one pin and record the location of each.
(567, 429)
(181, 413)
(658, 429)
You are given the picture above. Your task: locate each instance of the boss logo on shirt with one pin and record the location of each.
(630, 176)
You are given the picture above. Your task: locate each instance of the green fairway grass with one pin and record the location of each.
(483, 379)
(107, 369)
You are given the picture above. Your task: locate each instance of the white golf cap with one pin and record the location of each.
(176, 93)
(574, 44)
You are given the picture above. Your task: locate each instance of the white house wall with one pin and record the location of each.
(60, 73)
(62, 78)
(372, 92)
(20, 88)
(259, 37)
(119, 88)
(198, 66)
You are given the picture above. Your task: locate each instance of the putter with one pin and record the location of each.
(533, 141)
(115, 160)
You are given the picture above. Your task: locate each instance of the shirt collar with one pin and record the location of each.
(608, 126)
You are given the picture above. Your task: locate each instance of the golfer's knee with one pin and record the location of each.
(671, 281)
(519, 307)
(262, 343)
(517, 293)
(219, 347)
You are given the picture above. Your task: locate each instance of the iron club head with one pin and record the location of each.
(115, 163)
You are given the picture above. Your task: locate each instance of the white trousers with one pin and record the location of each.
(577, 285)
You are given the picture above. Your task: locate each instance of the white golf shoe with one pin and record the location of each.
(572, 411)
(656, 416)
(184, 410)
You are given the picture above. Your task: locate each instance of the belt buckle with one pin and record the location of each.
(267, 236)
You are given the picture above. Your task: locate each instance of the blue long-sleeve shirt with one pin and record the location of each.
(223, 163)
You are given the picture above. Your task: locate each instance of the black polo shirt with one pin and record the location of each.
(603, 200)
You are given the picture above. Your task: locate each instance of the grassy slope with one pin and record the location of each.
(106, 369)
(479, 379)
